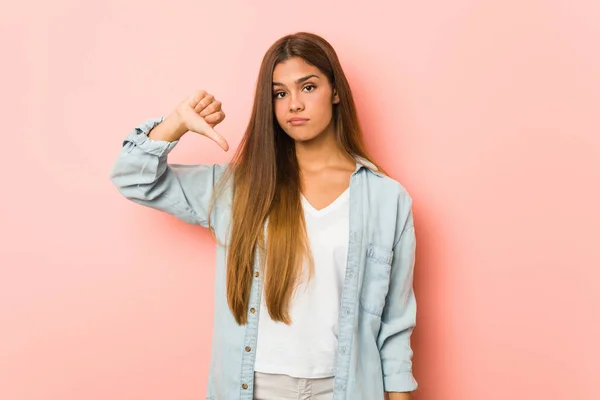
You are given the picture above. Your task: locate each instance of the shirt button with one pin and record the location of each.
(252, 310)
(256, 274)
(248, 348)
(244, 386)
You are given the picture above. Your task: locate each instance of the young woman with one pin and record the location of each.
(316, 244)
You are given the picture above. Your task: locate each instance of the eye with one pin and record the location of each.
(313, 87)
(276, 95)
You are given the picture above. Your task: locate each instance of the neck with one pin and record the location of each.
(321, 152)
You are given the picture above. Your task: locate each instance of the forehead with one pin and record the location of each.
(292, 69)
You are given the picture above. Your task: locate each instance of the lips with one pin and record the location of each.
(297, 120)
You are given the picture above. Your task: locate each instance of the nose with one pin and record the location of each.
(295, 104)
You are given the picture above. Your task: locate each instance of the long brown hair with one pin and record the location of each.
(266, 184)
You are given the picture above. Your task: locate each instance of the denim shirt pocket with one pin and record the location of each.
(376, 282)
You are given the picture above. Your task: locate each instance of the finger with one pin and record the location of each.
(217, 138)
(205, 102)
(199, 125)
(196, 97)
(214, 107)
(215, 118)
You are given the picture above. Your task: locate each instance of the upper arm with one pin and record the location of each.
(143, 175)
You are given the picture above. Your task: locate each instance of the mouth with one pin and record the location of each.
(298, 121)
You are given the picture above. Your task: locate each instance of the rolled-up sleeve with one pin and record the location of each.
(142, 174)
(399, 315)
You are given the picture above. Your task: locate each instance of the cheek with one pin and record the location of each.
(323, 108)
(279, 110)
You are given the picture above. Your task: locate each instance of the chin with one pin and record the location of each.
(302, 134)
(303, 137)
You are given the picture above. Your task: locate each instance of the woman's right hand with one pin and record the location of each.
(200, 113)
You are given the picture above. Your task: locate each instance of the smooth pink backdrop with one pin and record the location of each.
(487, 111)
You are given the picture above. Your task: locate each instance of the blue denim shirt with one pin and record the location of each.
(378, 307)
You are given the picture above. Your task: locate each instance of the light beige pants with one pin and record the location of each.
(284, 387)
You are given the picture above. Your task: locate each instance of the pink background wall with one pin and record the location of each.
(487, 111)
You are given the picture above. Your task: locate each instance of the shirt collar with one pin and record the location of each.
(364, 163)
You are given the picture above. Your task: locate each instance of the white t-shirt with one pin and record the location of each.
(307, 347)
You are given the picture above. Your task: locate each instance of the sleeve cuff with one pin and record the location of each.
(139, 137)
(399, 383)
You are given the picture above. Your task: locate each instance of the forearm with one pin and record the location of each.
(398, 396)
(399, 319)
(170, 130)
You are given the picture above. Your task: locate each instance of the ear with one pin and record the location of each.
(336, 97)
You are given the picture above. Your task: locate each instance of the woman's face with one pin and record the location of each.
(302, 92)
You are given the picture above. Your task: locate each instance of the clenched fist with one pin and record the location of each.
(200, 113)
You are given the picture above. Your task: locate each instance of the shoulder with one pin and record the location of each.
(391, 201)
(389, 189)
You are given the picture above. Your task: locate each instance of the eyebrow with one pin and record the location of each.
(297, 81)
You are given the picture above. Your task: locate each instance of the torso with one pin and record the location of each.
(311, 340)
